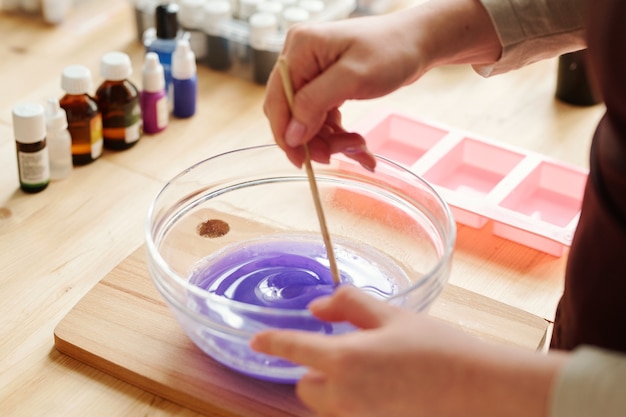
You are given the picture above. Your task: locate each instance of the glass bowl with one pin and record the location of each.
(234, 247)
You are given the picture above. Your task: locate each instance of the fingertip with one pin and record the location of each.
(319, 304)
(330, 307)
(365, 158)
(296, 156)
(319, 151)
(258, 342)
(295, 133)
(267, 341)
(369, 164)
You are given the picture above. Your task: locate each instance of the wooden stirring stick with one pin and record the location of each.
(286, 79)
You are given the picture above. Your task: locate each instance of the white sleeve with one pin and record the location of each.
(532, 30)
(592, 384)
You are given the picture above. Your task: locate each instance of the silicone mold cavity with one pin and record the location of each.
(551, 193)
(530, 198)
(473, 167)
(402, 139)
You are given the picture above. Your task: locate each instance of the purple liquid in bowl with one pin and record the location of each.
(282, 273)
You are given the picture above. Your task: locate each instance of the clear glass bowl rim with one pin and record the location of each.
(182, 283)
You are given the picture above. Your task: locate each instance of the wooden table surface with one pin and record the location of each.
(56, 245)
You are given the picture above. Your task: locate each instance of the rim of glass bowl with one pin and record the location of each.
(447, 247)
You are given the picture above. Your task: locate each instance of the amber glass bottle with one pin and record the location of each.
(83, 117)
(118, 101)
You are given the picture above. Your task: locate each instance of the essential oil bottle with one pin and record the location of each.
(59, 141)
(190, 16)
(263, 26)
(216, 14)
(167, 33)
(83, 117)
(118, 102)
(144, 16)
(184, 80)
(29, 127)
(153, 97)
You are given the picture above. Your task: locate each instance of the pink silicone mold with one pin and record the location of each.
(529, 198)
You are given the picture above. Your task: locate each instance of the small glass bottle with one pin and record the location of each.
(59, 141)
(573, 85)
(190, 18)
(270, 6)
(29, 127)
(153, 97)
(265, 52)
(144, 16)
(184, 80)
(293, 15)
(217, 13)
(84, 120)
(246, 9)
(314, 7)
(55, 11)
(118, 102)
(167, 33)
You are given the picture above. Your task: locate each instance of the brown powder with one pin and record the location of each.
(213, 228)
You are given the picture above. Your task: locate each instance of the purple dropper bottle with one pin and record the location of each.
(154, 105)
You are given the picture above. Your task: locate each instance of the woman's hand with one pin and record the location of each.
(401, 364)
(407, 364)
(364, 58)
(330, 63)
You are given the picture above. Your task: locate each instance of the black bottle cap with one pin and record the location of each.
(166, 20)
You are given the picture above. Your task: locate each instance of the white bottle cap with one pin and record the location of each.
(314, 7)
(274, 7)
(29, 124)
(216, 12)
(153, 77)
(288, 3)
(293, 15)
(56, 118)
(247, 8)
(115, 66)
(183, 61)
(262, 21)
(190, 13)
(147, 6)
(76, 79)
(262, 25)
(54, 11)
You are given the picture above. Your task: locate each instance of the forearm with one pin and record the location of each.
(451, 32)
(506, 382)
(511, 382)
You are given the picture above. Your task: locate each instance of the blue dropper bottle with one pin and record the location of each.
(184, 80)
(167, 34)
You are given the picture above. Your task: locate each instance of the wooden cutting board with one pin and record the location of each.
(123, 327)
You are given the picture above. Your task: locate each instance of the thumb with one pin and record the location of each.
(353, 305)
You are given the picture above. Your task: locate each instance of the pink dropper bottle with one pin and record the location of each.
(154, 104)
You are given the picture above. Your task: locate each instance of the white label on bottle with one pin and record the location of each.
(34, 167)
(96, 149)
(95, 129)
(162, 112)
(133, 132)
